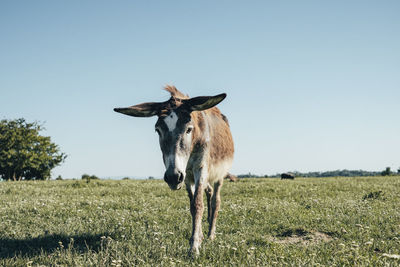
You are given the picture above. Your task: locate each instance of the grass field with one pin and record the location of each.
(322, 221)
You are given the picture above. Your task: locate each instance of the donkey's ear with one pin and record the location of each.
(142, 110)
(203, 102)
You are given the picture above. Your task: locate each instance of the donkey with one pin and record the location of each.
(197, 149)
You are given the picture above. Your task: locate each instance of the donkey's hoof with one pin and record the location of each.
(194, 252)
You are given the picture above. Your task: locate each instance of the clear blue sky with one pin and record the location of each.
(312, 85)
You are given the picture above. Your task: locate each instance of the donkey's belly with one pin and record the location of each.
(217, 171)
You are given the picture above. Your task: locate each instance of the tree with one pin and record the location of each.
(387, 171)
(24, 153)
(88, 177)
(85, 176)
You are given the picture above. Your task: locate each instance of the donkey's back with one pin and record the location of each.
(216, 143)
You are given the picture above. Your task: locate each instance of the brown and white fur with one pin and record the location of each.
(197, 148)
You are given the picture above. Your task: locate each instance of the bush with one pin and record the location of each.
(88, 177)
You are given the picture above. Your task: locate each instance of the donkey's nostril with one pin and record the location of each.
(180, 179)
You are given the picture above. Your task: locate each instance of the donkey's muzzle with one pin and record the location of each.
(174, 179)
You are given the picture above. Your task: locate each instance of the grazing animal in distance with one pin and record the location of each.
(287, 176)
(197, 149)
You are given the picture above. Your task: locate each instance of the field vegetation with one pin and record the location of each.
(307, 221)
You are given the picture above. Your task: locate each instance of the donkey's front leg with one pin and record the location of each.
(197, 206)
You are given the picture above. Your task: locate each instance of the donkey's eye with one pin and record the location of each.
(189, 130)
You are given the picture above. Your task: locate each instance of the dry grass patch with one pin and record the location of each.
(302, 237)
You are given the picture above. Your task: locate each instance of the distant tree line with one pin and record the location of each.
(252, 175)
(342, 173)
(336, 173)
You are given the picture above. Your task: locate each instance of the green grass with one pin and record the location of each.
(262, 222)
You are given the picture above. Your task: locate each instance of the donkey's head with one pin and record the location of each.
(176, 129)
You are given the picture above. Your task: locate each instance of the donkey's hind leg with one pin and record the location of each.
(215, 204)
(209, 192)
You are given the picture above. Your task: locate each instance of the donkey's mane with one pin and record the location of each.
(175, 93)
(175, 100)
